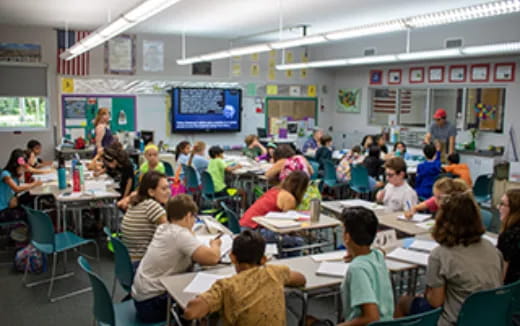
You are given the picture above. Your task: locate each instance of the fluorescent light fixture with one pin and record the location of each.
(372, 59)
(327, 63)
(148, 9)
(289, 66)
(298, 42)
(388, 27)
(434, 54)
(492, 48)
(189, 61)
(257, 48)
(215, 56)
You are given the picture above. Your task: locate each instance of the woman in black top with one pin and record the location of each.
(509, 238)
(325, 151)
(118, 166)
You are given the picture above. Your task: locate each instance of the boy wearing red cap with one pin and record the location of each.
(443, 131)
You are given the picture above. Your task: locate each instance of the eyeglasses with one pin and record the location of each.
(390, 175)
(502, 204)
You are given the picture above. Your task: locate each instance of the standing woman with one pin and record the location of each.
(118, 165)
(509, 238)
(103, 135)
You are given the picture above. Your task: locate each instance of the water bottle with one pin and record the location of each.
(76, 183)
(315, 210)
(81, 170)
(141, 145)
(62, 174)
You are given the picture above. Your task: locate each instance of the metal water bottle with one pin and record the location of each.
(315, 210)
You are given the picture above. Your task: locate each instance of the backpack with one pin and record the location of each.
(37, 260)
(312, 192)
(295, 163)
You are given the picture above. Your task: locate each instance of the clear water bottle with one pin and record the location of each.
(315, 210)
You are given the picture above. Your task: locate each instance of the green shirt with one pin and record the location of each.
(367, 281)
(144, 168)
(217, 170)
(252, 152)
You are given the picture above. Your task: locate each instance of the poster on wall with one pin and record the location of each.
(416, 75)
(349, 100)
(479, 73)
(376, 77)
(394, 76)
(20, 52)
(75, 111)
(504, 72)
(436, 74)
(153, 55)
(120, 55)
(457, 74)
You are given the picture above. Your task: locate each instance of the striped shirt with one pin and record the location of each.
(139, 225)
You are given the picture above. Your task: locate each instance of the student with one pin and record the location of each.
(509, 238)
(374, 163)
(35, 147)
(428, 171)
(366, 143)
(182, 152)
(253, 147)
(30, 167)
(257, 288)
(366, 291)
(400, 150)
(173, 250)
(217, 168)
(442, 187)
(353, 157)
(464, 263)
(117, 164)
(311, 145)
(285, 162)
(325, 151)
(152, 163)
(269, 156)
(380, 141)
(10, 209)
(145, 213)
(397, 195)
(457, 168)
(197, 159)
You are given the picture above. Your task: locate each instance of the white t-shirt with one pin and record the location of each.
(169, 253)
(396, 198)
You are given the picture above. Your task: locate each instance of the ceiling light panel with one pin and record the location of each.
(258, 48)
(388, 27)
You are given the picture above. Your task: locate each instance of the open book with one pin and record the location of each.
(330, 256)
(332, 269)
(409, 256)
(289, 215)
(225, 247)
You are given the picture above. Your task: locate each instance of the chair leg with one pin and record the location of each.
(114, 287)
(25, 271)
(53, 273)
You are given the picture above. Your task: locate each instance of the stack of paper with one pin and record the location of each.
(423, 245)
(329, 256)
(362, 203)
(271, 249)
(203, 282)
(409, 256)
(281, 224)
(95, 185)
(332, 269)
(417, 217)
(289, 215)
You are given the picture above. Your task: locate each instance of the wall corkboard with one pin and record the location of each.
(297, 108)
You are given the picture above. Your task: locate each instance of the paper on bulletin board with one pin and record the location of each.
(514, 171)
(105, 102)
(67, 85)
(272, 90)
(272, 74)
(255, 69)
(311, 90)
(251, 89)
(255, 56)
(236, 69)
(294, 90)
(76, 122)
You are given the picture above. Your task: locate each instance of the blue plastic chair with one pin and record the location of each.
(208, 188)
(359, 179)
(46, 241)
(428, 318)
(489, 307)
(232, 221)
(315, 169)
(487, 217)
(168, 169)
(329, 173)
(191, 179)
(124, 270)
(483, 188)
(105, 311)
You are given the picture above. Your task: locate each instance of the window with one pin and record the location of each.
(485, 109)
(383, 105)
(29, 112)
(412, 107)
(449, 99)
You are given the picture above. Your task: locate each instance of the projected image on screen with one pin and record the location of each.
(201, 101)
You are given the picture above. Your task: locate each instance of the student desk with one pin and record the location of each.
(324, 223)
(250, 174)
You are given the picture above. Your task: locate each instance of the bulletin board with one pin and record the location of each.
(79, 112)
(295, 108)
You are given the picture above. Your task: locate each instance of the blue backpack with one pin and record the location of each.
(37, 260)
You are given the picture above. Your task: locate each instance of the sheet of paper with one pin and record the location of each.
(423, 245)
(289, 215)
(225, 247)
(409, 256)
(46, 177)
(214, 226)
(491, 239)
(95, 185)
(328, 256)
(281, 224)
(203, 282)
(271, 249)
(332, 269)
(417, 217)
(360, 202)
(426, 225)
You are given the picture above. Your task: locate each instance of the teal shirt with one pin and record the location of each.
(6, 193)
(367, 281)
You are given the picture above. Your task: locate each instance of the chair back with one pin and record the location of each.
(233, 224)
(516, 297)
(191, 179)
(123, 263)
(483, 186)
(488, 307)
(295, 307)
(168, 169)
(487, 217)
(208, 188)
(329, 171)
(428, 318)
(103, 306)
(42, 230)
(315, 169)
(359, 178)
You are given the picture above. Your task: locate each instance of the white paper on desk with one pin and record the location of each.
(66, 195)
(203, 282)
(491, 239)
(417, 217)
(289, 215)
(409, 256)
(214, 226)
(360, 202)
(271, 249)
(423, 245)
(225, 247)
(281, 224)
(94, 185)
(46, 177)
(426, 225)
(334, 255)
(332, 269)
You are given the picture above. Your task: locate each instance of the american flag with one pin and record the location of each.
(80, 65)
(385, 100)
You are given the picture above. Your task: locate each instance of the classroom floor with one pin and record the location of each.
(22, 306)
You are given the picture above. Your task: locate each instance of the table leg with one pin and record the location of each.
(168, 313)
(305, 306)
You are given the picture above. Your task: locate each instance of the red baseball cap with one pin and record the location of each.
(440, 114)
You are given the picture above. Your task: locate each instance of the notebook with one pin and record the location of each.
(289, 215)
(281, 224)
(203, 282)
(417, 217)
(423, 245)
(332, 269)
(409, 256)
(362, 203)
(330, 256)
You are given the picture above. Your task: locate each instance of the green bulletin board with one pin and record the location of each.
(79, 112)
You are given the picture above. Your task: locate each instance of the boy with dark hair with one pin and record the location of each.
(428, 171)
(457, 168)
(217, 169)
(255, 295)
(397, 195)
(36, 147)
(325, 151)
(366, 291)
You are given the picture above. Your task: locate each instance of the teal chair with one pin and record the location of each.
(330, 180)
(46, 241)
(359, 179)
(232, 221)
(489, 307)
(124, 270)
(105, 311)
(487, 218)
(168, 169)
(315, 169)
(483, 188)
(191, 181)
(428, 318)
(208, 188)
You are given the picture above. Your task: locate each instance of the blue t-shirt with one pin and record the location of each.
(6, 193)
(367, 281)
(200, 164)
(309, 144)
(427, 174)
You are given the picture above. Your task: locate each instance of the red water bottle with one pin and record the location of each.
(76, 181)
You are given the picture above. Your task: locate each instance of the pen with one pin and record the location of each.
(408, 205)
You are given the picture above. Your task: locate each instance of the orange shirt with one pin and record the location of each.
(462, 170)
